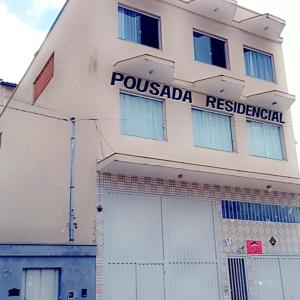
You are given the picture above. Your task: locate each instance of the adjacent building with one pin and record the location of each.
(153, 158)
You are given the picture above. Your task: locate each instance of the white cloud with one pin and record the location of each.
(19, 42)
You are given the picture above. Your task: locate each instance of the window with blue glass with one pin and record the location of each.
(265, 140)
(212, 130)
(139, 27)
(236, 210)
(210, 50)
(142, 117)
(259, 65)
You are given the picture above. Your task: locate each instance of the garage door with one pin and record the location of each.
(276, 278)
(159, 248)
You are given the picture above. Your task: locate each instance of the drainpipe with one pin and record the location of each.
(72, 217)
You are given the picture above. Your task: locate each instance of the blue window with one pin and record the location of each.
(142, 117)
(236, 210)
(210, 50)
(259, 65)
(139, 28)
(265, 140)
(212, 130)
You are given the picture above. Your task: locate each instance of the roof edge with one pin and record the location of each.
(35, 55)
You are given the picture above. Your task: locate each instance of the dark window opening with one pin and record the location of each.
(139, 28)
(149, 31)
(210, 50)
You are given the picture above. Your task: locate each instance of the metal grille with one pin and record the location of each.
(236, 210)
(237, 276)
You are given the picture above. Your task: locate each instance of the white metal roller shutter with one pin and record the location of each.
(133, 247)
(188, 230)
(267, 280)
(277, 278)
(191, 281)
(159, 248)
(40, 284)
(190, 250)
(290, 269)
(132, 228)
(120, 282)
(150, 282)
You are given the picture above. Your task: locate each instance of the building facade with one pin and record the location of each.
(153, 158)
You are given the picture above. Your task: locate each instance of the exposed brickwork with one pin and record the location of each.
(43, 78)
(235, 232)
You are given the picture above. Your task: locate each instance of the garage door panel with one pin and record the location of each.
(192, 282)
(133, 228)
(267, 279)
(188, 230)
(290, 269)
(120, 282)
(150, 282)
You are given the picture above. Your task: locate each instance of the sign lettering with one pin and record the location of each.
(244, 109)
(151, 87)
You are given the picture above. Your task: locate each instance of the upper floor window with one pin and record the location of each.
(138, 27)
(265, 140)
(210, 50)
(259, 65)
(43, 78)
(212, 130)
(142, 117)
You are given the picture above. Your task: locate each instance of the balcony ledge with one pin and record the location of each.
(147, 67)
(265, 25)
(220, 10)
(274, 100)
(221, 86)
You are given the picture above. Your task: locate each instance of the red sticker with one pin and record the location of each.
(254, 247)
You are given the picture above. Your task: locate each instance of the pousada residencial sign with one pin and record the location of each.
(152, 87)
(178, 94)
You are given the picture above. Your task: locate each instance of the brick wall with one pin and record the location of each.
(43, 78)
(235, 231)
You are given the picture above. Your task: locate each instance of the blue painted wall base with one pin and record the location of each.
(76, 265)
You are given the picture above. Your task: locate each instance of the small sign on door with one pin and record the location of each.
(254, 247)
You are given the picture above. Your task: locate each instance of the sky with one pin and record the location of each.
(24, 24)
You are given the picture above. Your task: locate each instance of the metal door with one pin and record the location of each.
(276, 278)
(190, 249)
(40, 284)
(290, 270)
(159, 248)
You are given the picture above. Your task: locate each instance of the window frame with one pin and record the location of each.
(142, 12)
(164, 114)
(232, 129)
(226, 49)
(281, 135)
(264, 53)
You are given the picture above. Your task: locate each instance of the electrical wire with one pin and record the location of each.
(28, 102)
(34, 113)
(101, 135)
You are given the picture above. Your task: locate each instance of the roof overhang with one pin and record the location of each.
(265, 25)
(157, 168)
(220, 86)
(220, 10)
(274, 100)
(148, 67)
